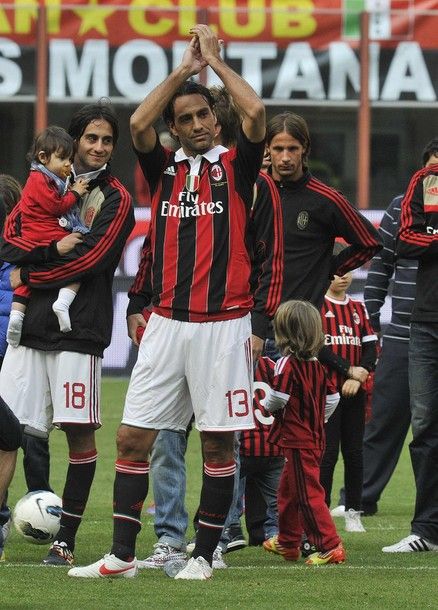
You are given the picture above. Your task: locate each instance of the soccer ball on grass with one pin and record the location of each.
(37, 516)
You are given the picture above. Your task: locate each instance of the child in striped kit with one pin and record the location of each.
(301, 400)
(350, 355)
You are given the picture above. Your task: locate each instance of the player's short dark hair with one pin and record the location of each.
(51, 140)
(85, 115)
(294, 125)
(190, 87)
(430, 149)
(298, 329)
(227, 115)
(10, 192)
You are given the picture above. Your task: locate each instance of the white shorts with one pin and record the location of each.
(189, 367)
(48, 388)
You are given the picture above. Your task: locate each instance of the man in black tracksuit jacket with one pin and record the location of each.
(314, 216)
(54, 377)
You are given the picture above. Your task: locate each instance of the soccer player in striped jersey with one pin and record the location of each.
(351, 353)
(301, 399)
(196, 353)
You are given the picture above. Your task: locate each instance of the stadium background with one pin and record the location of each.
(303, 55)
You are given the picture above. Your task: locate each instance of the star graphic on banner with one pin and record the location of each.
(93, 19)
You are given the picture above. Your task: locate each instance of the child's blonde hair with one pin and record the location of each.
(298, 329)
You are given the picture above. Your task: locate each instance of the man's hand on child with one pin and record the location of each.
(67, 243)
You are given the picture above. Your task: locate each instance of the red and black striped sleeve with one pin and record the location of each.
(19, 251)
(99, 248)
(415, 239)
(140, 293)
(362, 238)
(268, 254)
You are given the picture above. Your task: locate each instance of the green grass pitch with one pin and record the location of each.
(254, 579)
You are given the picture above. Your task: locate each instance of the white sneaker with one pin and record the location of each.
(196, 569)
(218, 562)
(353, 522)
(161, 555)
(108, 567)
(411, 544)
(338, 511)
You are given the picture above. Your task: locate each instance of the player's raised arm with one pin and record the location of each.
(142, 121)
(250, 105)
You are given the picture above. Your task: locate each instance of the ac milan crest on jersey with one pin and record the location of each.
(303, 220)
(216, 172)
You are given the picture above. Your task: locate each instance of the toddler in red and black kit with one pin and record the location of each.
(301, 400)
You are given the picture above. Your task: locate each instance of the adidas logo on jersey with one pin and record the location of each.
(170, 171)
(329, 314)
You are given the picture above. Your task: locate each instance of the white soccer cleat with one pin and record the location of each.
(196, 569)
(161, 555)
(353, 522)
(338, 511)
(411, 544)
(108, 567)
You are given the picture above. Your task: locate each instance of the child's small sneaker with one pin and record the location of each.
(336, 555)
(195, 569)
(272, 545)
(353, 522)
(338, 511)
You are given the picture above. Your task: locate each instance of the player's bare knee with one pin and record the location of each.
(217, 447)
(134, 443)
(79, 438)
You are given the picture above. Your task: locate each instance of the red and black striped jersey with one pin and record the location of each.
(300, 424)
(254, 443)
(196, 257)
(347, 328)
(418, 239)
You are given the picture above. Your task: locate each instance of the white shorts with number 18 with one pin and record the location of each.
(183, 368)
(46, 388)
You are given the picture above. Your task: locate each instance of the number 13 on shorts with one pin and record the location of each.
(238, 403)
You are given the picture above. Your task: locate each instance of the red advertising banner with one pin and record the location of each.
(318, 22)
(286, 49)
